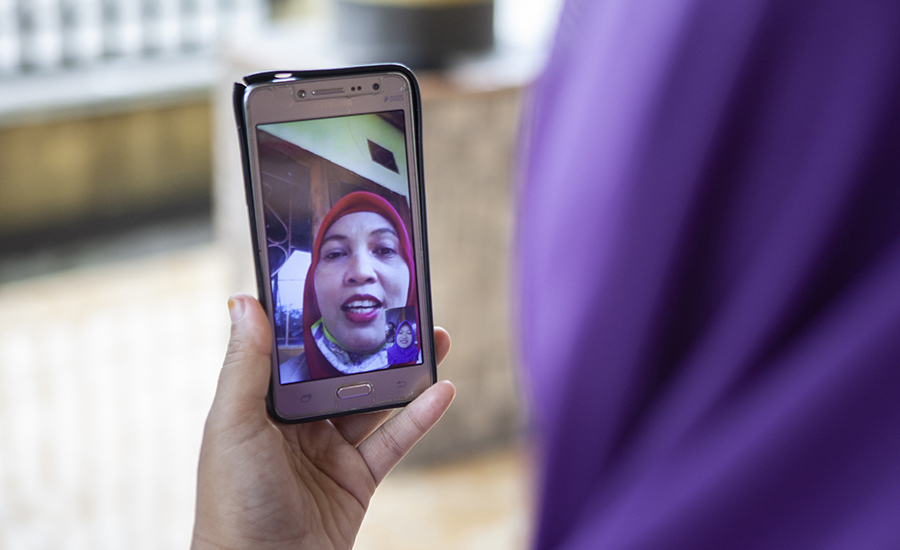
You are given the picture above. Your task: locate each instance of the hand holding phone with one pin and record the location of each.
(334, 182)
(265, 485)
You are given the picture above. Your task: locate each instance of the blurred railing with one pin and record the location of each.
(52, 50)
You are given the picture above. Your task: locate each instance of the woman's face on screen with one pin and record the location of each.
(360, 274)
(404, 336)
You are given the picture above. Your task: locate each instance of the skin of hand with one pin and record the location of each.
(265, 485)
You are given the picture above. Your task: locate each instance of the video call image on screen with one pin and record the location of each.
(337, 222)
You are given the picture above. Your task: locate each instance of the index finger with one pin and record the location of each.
(358, 427)
(390, 442)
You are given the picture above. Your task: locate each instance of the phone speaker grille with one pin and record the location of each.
(329, 91)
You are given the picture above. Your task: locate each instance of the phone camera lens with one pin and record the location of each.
(301, 94)
(376, 86)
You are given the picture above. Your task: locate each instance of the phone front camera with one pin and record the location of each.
(301, 94)
(376, 86)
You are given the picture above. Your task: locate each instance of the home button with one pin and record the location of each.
(354, 390)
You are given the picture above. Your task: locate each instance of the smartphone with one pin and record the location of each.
(334, 187)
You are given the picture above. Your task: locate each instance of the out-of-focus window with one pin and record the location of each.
(525, 23)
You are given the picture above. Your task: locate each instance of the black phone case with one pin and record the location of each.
(261, 278)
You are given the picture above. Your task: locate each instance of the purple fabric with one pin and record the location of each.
(709, 275)
(398, 355)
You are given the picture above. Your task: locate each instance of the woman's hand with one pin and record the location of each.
(266, 485)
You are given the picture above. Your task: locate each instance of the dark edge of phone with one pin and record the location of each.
(240, 118)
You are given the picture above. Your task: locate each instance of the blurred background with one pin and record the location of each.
(123, 231)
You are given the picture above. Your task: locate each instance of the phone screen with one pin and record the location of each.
(341, 258)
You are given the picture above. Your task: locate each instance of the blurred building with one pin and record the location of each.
(104, 111)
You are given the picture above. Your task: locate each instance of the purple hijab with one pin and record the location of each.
(709, 275)
(399, 355)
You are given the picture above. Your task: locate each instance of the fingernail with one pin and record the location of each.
(235, 309)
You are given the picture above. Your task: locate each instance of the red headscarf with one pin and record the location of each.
(358, 201)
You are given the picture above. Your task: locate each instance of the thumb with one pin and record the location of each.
(244, 379)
